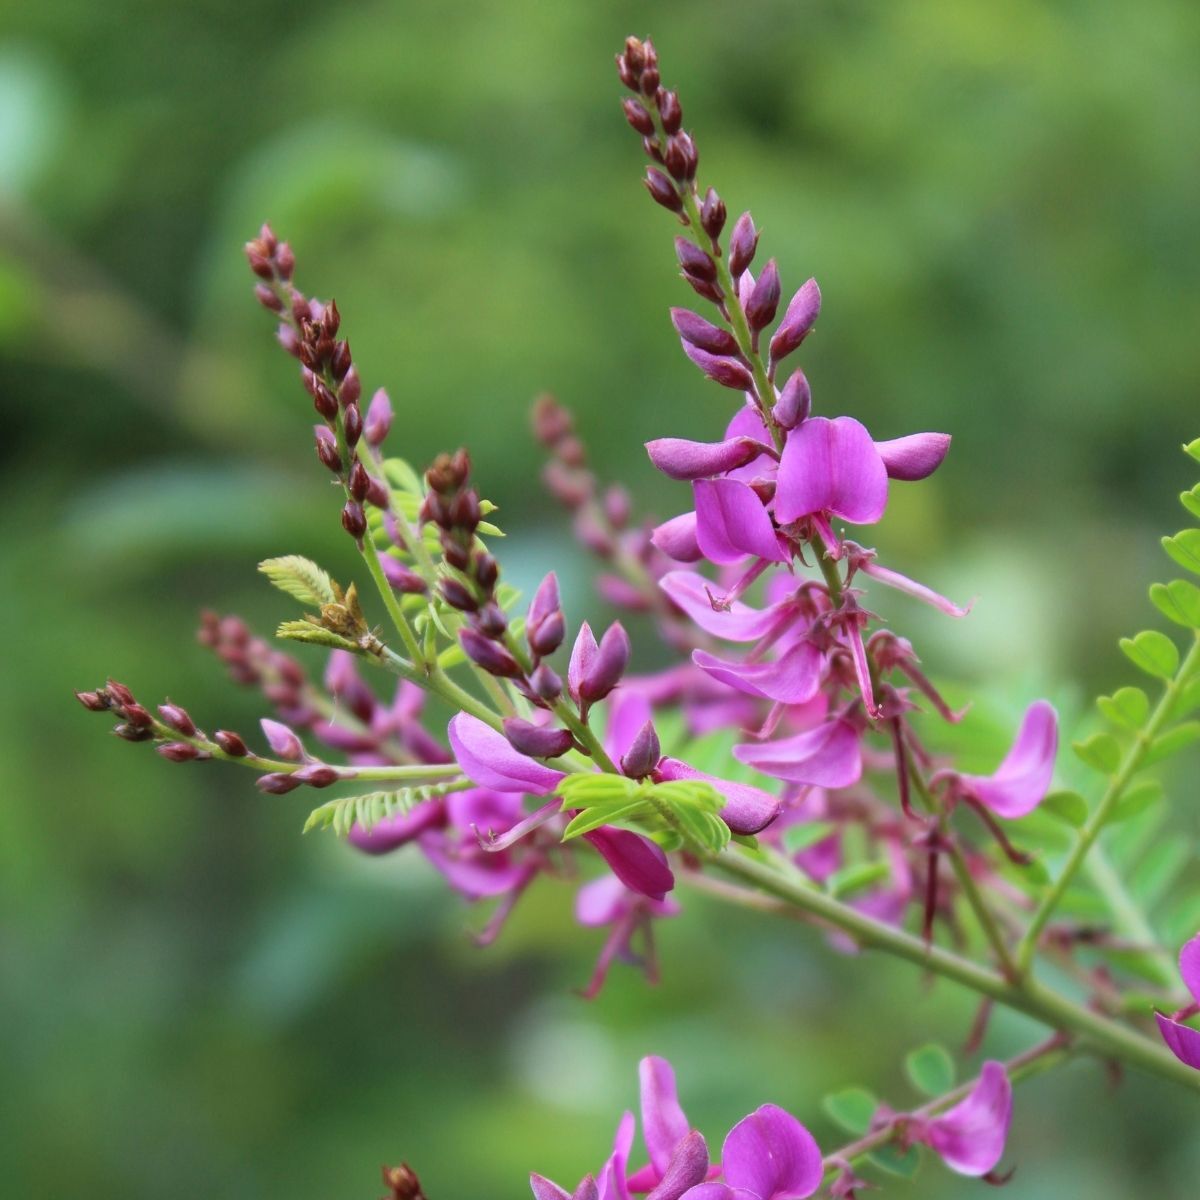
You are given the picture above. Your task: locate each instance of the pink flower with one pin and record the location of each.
(1182, 1040)
(1020, 783)
(970, 1136)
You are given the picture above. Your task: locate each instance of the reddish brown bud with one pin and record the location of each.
(177, 751)
(351, 388)
(454, 552)
(267, 298)
(285, 261)
(177, 718)
(325, 402)
(662, 190)
(680, 157)
(637, 116)
(359, 482)
(377, 493)
(627, 74)
(132, 733)
(712, 214)
(650, 81)
(92, 701)
(332, 320)
(277, 783)
(465, 511)
(457, 595)
(317, 775)
(354, 522)
(259, 263)
(635, 53)
(669, 110)
(352, 425)
(487, 570)
(651, 147)
(339, 359)
(327, 452)
(119, 692)
(135, 714)
(231, 743)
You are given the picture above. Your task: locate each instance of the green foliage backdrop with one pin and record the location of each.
(999, 202)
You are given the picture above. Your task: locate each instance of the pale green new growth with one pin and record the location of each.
(301, 578)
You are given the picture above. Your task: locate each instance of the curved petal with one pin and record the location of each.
(1020, 783)
(740, 623)
(831, 466)
(916, 456)
(1182, 1040)
(676, 538)
(792, 678)
(628, 712)
(748, 809)
(601, 901)
(716, 1191)
(664, 1125)
(687, 1168)
(393, 832)
(680, 459)
(543, 1189)
(770, 1154)
(637, 862)
(1189, 967)
(828, 756)
(970, 1136)
(731, 522)
(488, 760)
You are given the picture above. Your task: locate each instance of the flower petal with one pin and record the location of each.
(916, 456)
(970, 1136)
(664, 1125)
(792, 678)
(747, 809)
(1020, 783)
(637, 862)
(1182, 1040)
(741, 623)
(828, 756)
(393, 832)
(543, 1189)
(488, 760)
(731, 522)
(770, 1154)
(687, 1168)
(1189, 967)
(681, 459)
(831, 466)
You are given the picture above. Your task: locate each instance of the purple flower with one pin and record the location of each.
(735, 621)
(747, 809)
(792, 678)
(732, 523)
(828, 756)
(970, 1136)
(681, 459)
(607, 901)
(768, 1155)
(1020, 783)
(676, 538)
(596, 667)
(1182, 1040)
(488, 759)
(282, 740)
(914, 457)
(831, 468)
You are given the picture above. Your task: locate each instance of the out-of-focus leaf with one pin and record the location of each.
(1127, 706)
(930, 1069)
(1152, 652)
(852, 1109)
(1099, 751)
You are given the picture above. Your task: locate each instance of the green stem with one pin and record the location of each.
(1117, 786)
(1109, 1038)
(388, 596)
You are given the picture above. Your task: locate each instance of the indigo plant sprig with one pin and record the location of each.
(795, 758)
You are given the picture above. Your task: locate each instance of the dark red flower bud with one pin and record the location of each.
(325, 402)
(177, 718)
(651, 148)
(352, 425)
(259, 264)
(92, 701)
(402, 578)
(285, 261)
(712, 214)
(454, 552)
(465, 511)
(490, 621)
(537, 741)
(377, 493)
(119, 692)
(637, 116)
(351, 388)
(694, 261)
(644, 753)
(135, 714)
(694, 329)
(764, 297)
(680, 157)
(545, 682)
(669, 110)
(267, 239)
(649, 81)
(231, 743)
(662, 190)
(327, 451)
(317, 775)
(354, 521)
(627, 73)
(635, 53)
(177, 751)
(277, 783)
(267, 298)
(457, 595)
(743, 241)
(491, 656)
(359, 482)
(332, 319)
(132, 733)
(487, 570)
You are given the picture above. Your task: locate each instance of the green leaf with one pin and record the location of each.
(851, 1109)
(1136, 801)
(402, 477)
(801, 837)
(690, 793)
(1192, 448)
(1069, 807)
(369, 808)
(301, 578)
(930, 1069)
(306, 631)
(894, 1161)
(587, 790)
(1172, 742)
(1184, 548)
(1152, 652)
(1099, 751)
(1179, 601)
(855, 878)
(1191, 500)
(593, 818)
(1128, 706)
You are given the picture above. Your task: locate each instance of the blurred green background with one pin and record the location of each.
(999, 201)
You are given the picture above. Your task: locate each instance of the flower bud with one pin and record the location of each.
(490, 620)
(177, 751)
(712, 214)
(351, 388)
(706, 288)
(379, 418)
(643, 754)
(317, 775)
(489, 655)
(377, 493)
(546, 683)
(548, 635)
(650, 81)
(764, 298)
(669, 111)
(537, 741)
(289, 339)
(637, 116)
(454, 552)
(354, 520)
(177, 718)
(681, 158)
(92, 701)
(137, 716)
(259, 263)
(607, 665)
(794, 403)
(695, 329)
(728, 372)
(662, 190)
(282, 739)
(742, 244)
(331, 319)
(231, 743)
(352, 425)
(797, 323)
(327, 450)
(617, 506)
(457, 595)
(119, 692)
(132, 733)
(285, 261)
(569, 488)
(402, 578)
(324, 401)
(694, 261)
(276, 783)
(268, 298)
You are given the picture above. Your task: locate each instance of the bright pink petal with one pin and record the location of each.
(914, 457)
(687, 1169)
(1182, 1040)
(970, 1136)
(828, 756)
(831, 466)
(628, 712)
(731, 522)
(770, 1154)
(902, 583)
(716, 1191)
(1021, 781)
(664, 1125)
(637, 862)
(741, 623)
(1189, 967)
(676, 538)
(681, 459)
(543, 1189)
(488, 760)
(792, 678)
(747, 809)
(601, 901)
